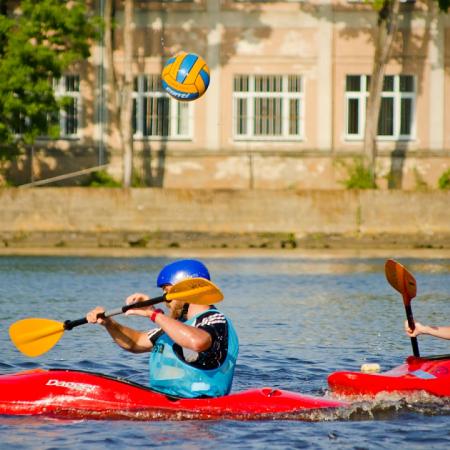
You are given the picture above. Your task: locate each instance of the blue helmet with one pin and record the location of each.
(180, 270)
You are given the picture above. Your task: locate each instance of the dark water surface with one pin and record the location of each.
(298, 320)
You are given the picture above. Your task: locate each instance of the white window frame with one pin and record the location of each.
(174, 112)
(362, 95)
(251, 95)
(60, 91)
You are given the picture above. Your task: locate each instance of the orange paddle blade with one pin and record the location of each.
(400, 279)
(33, 337)
(199, 291)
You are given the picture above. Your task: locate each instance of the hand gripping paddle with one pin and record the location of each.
(402, 281)
(34, 336)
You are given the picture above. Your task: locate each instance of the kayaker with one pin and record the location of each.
(440, 332)
(193, 348)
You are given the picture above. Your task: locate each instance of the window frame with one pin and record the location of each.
(252, 94)
(174, 105)
(363, 94)
(60, 91)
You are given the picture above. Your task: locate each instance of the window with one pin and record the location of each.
(68, 88)
(156, 114)
(397, 107)
(268, 107)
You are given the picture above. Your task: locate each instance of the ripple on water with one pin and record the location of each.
(298, 320)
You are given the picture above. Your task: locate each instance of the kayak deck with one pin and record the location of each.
(429, 374)
(79, 394)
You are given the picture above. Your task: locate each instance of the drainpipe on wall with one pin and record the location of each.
(101, 80)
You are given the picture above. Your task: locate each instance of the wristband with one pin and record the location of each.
(155, 313)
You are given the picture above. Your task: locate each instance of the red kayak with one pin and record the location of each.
(73, 394)
(428, 374)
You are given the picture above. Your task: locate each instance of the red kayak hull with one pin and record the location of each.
(75, 394)
(431, 375)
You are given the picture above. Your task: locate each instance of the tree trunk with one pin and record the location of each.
(127, 94)
(384, 38)
(112, 83)
(120, 88)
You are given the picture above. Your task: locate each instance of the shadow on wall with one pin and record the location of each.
(409, 41)
(167, 41)
(395, 177)
(40, 163)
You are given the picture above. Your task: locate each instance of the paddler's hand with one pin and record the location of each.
(419, 329)
(136, 298)
(94, 316)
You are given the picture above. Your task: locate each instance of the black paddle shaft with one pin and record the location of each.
(69, 324)
(414, 343)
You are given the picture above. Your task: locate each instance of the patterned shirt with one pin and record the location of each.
(214, 323)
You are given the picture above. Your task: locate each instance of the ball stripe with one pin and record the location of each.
(190, 88)
(194, 72)
(176, 65)
(205, 77)
(183, 96)
(199, 84)
(166, 70)
(185, 68)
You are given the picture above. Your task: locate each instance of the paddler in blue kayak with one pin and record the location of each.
(193, 348)
(440, 332)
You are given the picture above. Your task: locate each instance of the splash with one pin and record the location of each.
(383, 407)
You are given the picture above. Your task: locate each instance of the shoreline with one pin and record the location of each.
(297, 253)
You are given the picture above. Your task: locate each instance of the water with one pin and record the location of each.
(298, 320)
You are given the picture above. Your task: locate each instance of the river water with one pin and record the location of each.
(298, 320)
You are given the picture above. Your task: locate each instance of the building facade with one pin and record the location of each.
(285, 108)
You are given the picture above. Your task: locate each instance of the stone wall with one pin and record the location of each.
(158, 218)
(263, 169)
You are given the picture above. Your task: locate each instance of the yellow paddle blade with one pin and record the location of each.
(199, 291)
(400, 279)
(33, 337)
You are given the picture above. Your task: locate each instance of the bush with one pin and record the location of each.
(358, 175)
(5, 183)
(444, 180)
(102, 178)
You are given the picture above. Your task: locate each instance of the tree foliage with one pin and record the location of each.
(38, 42)
(444, 180)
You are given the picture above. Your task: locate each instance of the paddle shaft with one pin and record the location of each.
(69, 324)
(411, 324)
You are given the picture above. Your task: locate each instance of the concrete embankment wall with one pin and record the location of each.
(158, 218)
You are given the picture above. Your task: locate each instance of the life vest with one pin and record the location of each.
(171, 375)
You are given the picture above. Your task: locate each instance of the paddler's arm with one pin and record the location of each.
(192, 338)
(186, 336)
(129, 339)
(440, 332)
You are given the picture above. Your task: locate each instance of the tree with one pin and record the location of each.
(127, 94)
(120, 85)
(387, 25)
(38, 43)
